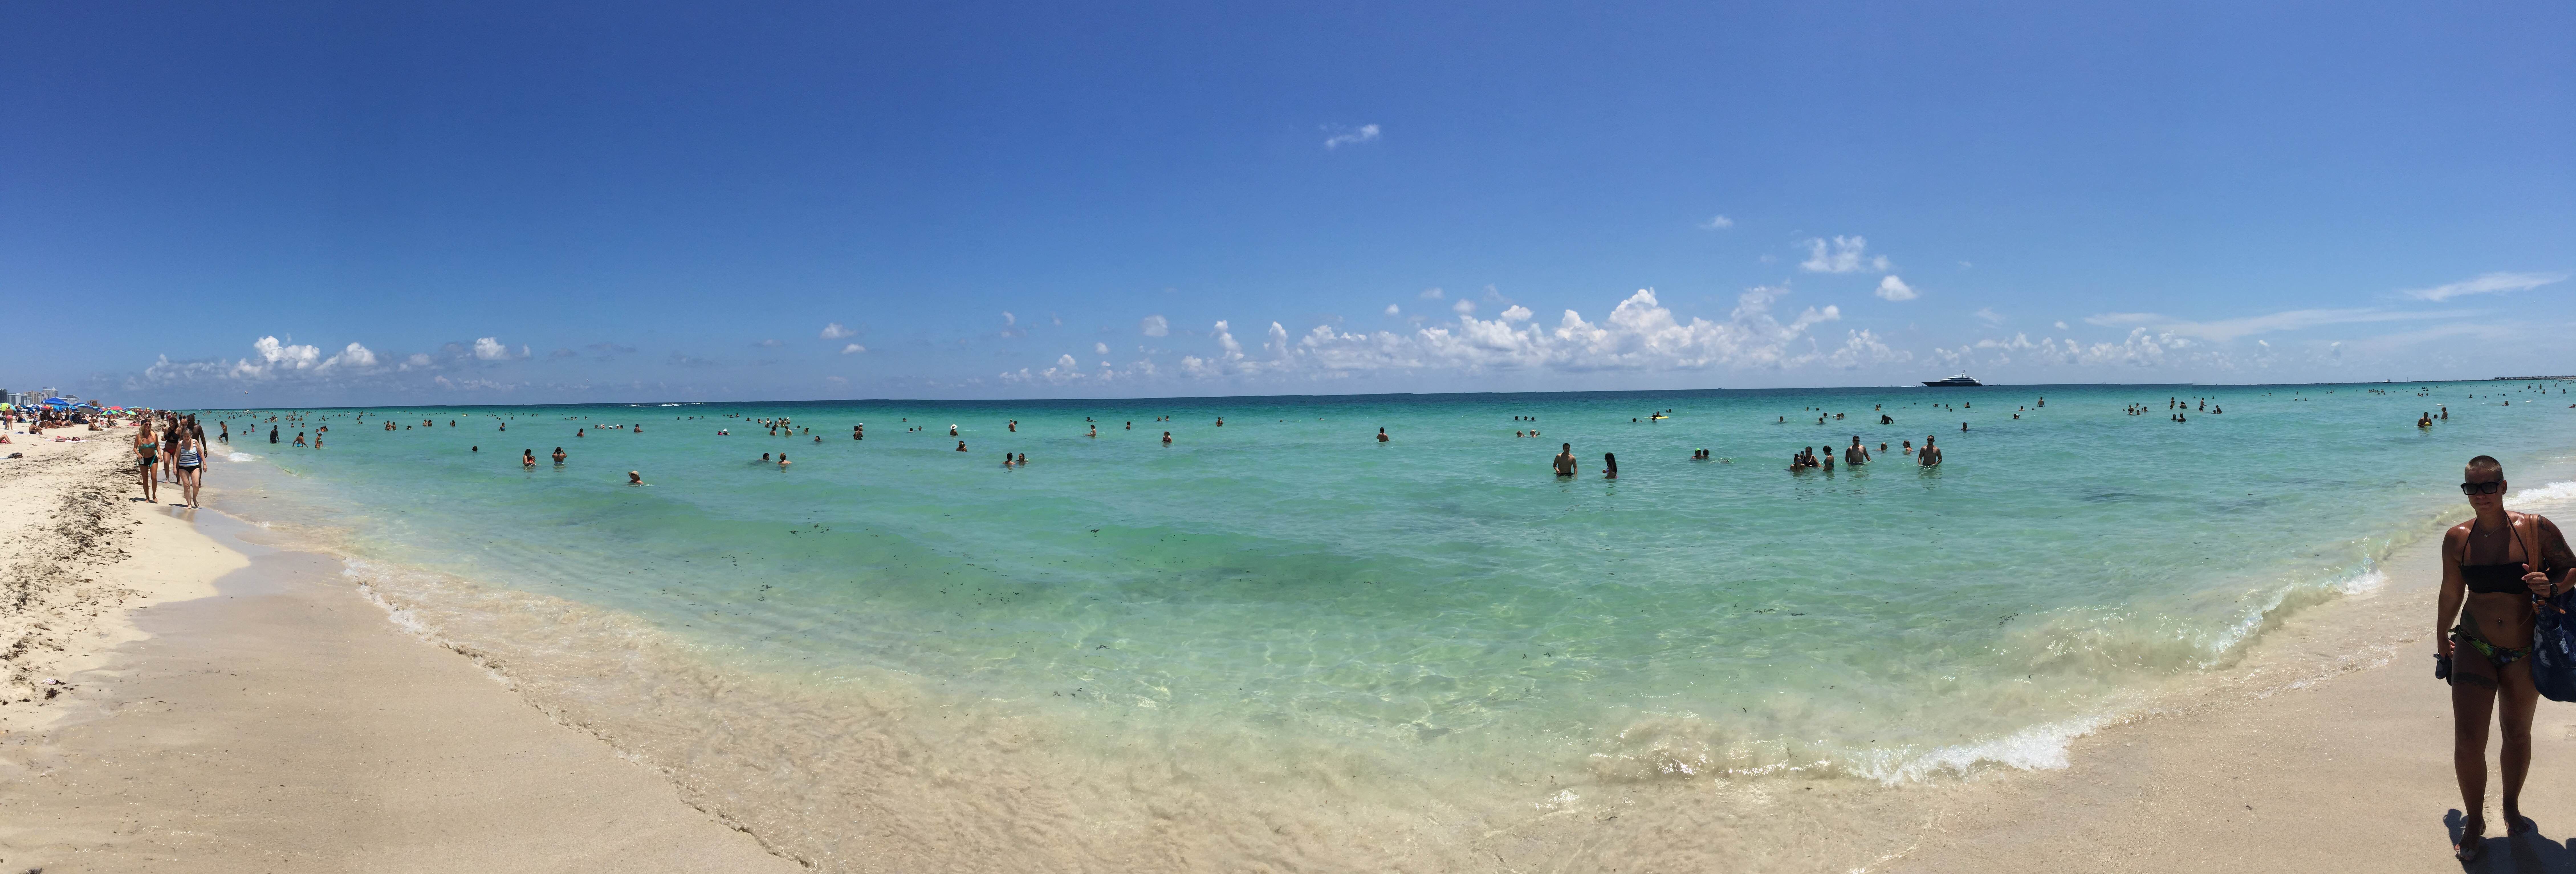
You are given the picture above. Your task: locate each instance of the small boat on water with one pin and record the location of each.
(1959, 380)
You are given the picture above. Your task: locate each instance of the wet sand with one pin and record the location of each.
(2319, 754)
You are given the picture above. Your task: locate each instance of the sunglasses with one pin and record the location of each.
(2481, 488)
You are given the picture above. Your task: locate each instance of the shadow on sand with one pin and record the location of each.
(2531, 852)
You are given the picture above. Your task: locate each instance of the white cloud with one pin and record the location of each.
(835, 331)
(1365, 133)
(1892, 288)
(1392, 309)
(2487, 283)
(2061, 325)
(1841, 255)
(1463, 307)
(273, 353)
(771, 343)
(1640, 334)
(1517, 314)
(1988, 316)
(1717, 223)
(490, 349)
(1100, 348)
(417, 359)
(1155, 326)
(1008, 319)
(354, 356)
(1433, 294)
(853, 349)
(2289, 320)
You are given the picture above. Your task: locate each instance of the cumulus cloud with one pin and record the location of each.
(1392, 309)
(1892, 288)
(270, 359)
(837, 331)
(354, 356)
(1155, 326)
(1463, 307)
(2487, 283)
(492, 349)
(1348, 137)
(1639, 334)
(1717, 223)
(1100, 348)
(275, 354)
(2061, 325)
(1517, 313)
(1841, 255)
(853, 349)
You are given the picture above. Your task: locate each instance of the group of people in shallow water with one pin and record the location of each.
(1858, 454)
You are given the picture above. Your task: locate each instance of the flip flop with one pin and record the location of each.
(2470, 846)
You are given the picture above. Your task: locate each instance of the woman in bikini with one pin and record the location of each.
(2489, 568)
(147, 451)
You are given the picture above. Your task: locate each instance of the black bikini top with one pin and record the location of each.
(2500, 579)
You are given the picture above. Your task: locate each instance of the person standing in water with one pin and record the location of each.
(1609, 466)
(1381, 435)
(1565, 460)
(2494, 568)
(1931, 455)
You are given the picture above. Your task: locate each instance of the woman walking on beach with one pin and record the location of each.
(2495, 566)
(191, 459)
(147, 451)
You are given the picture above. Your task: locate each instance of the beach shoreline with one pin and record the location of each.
(238, 707)
(2205, 777)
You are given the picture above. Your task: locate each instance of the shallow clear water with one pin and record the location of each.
(1285, 580)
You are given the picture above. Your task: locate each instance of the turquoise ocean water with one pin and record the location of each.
(1285, 582)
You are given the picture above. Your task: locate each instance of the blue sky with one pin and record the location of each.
(564, 202)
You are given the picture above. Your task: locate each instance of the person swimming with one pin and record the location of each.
(782, 459)
(1167, 438)
(961, 445)
(634, 478)
(2424, 421)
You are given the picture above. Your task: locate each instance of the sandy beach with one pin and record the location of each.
(180, 690)
(229, 707)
